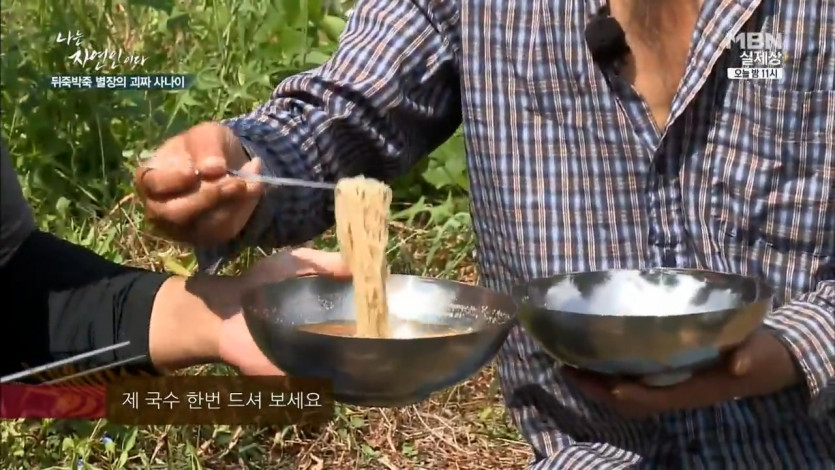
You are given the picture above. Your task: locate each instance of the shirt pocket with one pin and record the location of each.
(773, 173)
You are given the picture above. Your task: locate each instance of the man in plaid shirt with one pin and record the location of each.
(575, 166)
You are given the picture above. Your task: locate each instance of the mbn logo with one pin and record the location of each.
(758, 41)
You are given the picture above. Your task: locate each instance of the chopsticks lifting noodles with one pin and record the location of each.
(70, 360)
(270, 180)
(275, 181)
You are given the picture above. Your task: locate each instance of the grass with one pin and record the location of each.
(465, 427)
(75, 151)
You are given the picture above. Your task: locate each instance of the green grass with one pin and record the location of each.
(75, 152)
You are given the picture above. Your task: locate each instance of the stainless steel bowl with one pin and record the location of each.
(659, 325)
(391, 372)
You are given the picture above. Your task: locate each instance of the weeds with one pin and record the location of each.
(75, 151)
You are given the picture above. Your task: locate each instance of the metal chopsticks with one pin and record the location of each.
(270, 180)
(94, 370)
(63, 362)
(275, 181)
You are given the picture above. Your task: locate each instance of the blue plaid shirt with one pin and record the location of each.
(569, 173)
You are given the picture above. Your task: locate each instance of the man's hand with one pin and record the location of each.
(236, 345)
(187, 193)
(198, 320)
(761, 366)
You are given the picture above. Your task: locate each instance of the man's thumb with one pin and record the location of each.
(307, 261)
(741, 361)
(253, 167)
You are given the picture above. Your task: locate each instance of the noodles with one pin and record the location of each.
(361, 208)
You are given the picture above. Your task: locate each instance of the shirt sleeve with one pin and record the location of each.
(69, 300)
(806, 326)
(387, 97)
(16, 218)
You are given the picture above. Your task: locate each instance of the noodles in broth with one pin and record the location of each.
(361, 208)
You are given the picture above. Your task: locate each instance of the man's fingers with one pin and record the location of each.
(238, 199)
(761, 351)
(170, 172)
(225, 221)
(595, 387)
(211, 167)
(253, 188)
(635, 400)
(185, 187)
(703, 389)
(172, 232)
(307, 261)
(184, 210)
(210, 212)
(606, 390)
(165, 181)
(741, 374)
(637, 394)
(208, 144)
(297, 263)
(253, 166)
(740, 363)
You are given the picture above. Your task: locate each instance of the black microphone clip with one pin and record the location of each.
(606, 39)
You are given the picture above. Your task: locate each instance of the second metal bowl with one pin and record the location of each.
(660, 325)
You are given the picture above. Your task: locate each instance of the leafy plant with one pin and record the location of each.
(72, 144)
(75, 152)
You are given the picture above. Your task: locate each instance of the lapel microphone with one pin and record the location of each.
(606, 39)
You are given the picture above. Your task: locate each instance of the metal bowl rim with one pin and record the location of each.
(520, 295)
(494, 328)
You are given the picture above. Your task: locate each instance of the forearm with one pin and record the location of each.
(186, 320)
(65, 300)
(387, 97)
(806, 326)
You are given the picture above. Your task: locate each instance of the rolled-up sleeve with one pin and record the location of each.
(806, 325)
(387, 97)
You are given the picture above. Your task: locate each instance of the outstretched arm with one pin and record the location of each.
(388, 96)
